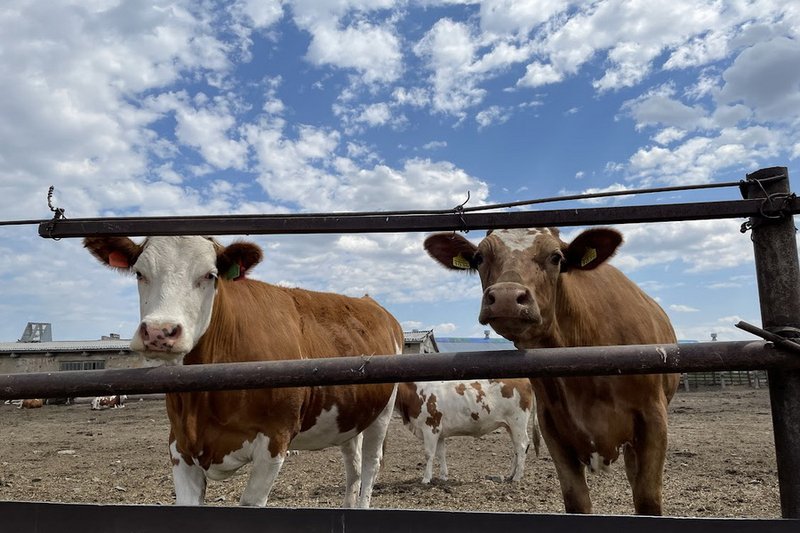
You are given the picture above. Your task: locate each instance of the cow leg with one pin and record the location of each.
(518, 431)
(644, 462)
(189, 480)
(351, 456)
(264, 471)
(430, 442)
(372, 450)
(571, 472)
(441, 456)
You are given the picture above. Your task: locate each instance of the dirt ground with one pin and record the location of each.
(721, 462)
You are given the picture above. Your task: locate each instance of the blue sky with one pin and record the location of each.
(172, 108)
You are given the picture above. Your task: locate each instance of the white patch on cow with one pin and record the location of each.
(597, 463)
(518, 240)
(189, 479)
(324, 433)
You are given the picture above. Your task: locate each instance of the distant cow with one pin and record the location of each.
(540, 292)
(197, 306)
(104, 402)
(436, 410)
(31, 403)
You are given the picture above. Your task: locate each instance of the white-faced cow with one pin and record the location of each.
(197, 306)
(436, 410)
(540, 292)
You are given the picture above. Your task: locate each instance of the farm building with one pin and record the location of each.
(35, 351)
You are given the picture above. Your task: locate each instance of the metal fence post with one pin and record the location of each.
(778, 277)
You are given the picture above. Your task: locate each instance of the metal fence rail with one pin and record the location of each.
(356, 223)
(543, 362)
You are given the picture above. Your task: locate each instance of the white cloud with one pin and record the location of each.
(679, 308)
(373, 51)
(669, 135)
(517, 17)
(766, 78)
(658, 107)
(701, 246)
(449, 51)
(492, 115)
(699, 158)
(538, 74)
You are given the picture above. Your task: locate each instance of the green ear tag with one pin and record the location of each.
(460, 262)
(589, 255)
(233, 272)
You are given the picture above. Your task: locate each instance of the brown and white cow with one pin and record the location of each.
(197, 306)
(32, 403)
(540, 292)
(105, 402)
(436, 410)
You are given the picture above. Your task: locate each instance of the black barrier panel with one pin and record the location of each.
(21, 517)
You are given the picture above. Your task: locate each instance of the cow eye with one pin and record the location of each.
(476, 261)
(556, 259)
(210, 276)
(139, 275)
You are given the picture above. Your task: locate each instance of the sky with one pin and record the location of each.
(159, 108)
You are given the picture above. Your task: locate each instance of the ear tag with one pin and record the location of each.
(460, 262)
(118, 260)
(588, 256)
(234, 272)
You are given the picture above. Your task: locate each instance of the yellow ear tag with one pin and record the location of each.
(588, 256)
(460, 262)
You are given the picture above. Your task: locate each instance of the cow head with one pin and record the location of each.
(520, 271)
(178, 279)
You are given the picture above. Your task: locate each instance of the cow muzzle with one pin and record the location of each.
(509, 308)
(156, 338)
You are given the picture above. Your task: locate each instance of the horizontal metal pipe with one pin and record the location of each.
(546, 362)
(354, 223)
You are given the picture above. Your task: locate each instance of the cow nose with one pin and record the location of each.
(508, 300)
(160, 336)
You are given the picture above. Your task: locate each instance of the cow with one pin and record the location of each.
(103, 402)
(33, 403)
(198, 306)
(436, 410)
(541, 292)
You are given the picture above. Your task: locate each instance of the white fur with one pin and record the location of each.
(518, 240)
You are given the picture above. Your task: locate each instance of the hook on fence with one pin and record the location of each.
(459, 210)
(58, 213)
(782, 337)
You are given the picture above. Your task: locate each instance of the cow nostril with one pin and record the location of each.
(490, 298)
(174, 333)
(143, 331)
(524, 298)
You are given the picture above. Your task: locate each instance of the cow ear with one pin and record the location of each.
(452, 251)
(115, 252)
(237, 259)
(591, 249)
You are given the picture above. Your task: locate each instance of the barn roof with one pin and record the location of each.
(472, 344)
(65, 346)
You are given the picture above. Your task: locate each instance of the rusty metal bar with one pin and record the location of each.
(778, 277)
(355, 223)
(544, 362)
